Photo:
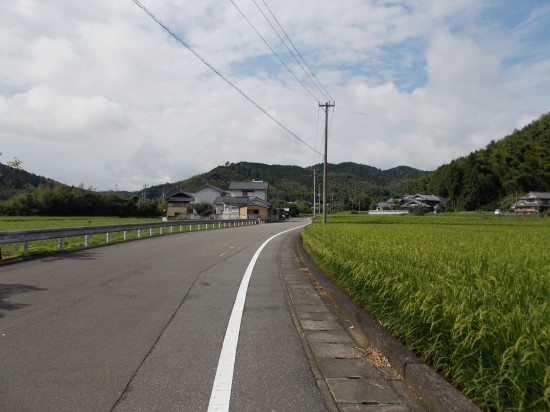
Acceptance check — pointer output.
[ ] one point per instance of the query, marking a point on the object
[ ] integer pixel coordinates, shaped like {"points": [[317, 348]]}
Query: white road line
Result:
{"points": [[221, 391]]}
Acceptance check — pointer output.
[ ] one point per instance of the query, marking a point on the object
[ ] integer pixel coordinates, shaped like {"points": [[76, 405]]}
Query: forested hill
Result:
{"points": [[517, 164], [485, 179], [349, 183], [13, 181]]}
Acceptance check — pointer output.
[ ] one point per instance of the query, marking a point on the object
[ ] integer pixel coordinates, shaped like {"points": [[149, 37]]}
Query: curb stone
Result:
{"points": [[436, 392]]}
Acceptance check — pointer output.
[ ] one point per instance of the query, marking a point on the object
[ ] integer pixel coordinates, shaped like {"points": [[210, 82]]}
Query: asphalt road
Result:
{"points": [[140, 326]]}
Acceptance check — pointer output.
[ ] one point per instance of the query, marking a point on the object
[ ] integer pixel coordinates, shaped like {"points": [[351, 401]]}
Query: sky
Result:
{"points": [[99, 94]]}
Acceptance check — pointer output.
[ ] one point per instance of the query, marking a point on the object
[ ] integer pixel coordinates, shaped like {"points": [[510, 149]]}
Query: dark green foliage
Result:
{"points": [[517, 164], [204, 209], [13, 181], [60, 200], [350, 185], [483, 180]]}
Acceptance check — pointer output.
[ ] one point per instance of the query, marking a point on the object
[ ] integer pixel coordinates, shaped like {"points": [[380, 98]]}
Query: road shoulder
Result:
{"points": [[359, 365]]}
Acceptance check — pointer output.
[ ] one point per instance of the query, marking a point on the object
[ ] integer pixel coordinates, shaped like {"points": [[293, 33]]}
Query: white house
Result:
{"points": [[255, 188]]}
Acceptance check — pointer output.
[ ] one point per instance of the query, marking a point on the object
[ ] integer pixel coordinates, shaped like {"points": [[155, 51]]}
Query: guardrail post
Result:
{"points": [[190, 228], [160, 232], [171, 229], [25, 248], [139, 233], [150, 231], [181, 228], [125, 235], [86, 240], [60, 243], [108, 237]]}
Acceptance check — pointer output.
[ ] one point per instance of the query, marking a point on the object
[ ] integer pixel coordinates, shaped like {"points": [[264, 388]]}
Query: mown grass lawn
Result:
{"points": [[469, 293]]}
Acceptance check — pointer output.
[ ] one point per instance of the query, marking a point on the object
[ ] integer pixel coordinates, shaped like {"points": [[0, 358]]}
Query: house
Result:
{"points": [[419, 200], [230, 207], [208, 194], [409, 201], [532, 203], [179, 204], [242, 200], [389, 204], [255, 188]]}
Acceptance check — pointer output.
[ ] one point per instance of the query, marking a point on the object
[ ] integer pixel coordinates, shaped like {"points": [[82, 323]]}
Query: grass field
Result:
{"points": [[469, 293], [10, 251]]}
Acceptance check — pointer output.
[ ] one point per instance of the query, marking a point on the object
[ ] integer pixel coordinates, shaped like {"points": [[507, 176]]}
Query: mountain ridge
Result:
{"points": [[487, 178]]}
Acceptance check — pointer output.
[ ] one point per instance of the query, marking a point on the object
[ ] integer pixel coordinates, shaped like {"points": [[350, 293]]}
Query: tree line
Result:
{"points": [[486, 179], [60, 200], [495, 176]]}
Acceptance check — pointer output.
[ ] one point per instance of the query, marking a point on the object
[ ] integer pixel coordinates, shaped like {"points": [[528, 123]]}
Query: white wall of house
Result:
{"points": [[260, 194], [206, 195]]}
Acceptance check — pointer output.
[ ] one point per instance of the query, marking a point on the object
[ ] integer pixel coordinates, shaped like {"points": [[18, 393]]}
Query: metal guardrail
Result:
{"points": [[30, 235]]}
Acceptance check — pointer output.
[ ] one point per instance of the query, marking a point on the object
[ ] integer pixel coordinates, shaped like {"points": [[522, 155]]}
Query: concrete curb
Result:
{"points": [[438, 394]]}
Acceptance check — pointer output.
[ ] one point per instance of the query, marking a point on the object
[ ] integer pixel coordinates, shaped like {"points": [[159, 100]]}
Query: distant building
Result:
{"points": [[230, 207], [409, 201], [255, 188], [532, 203], [179, 204], [242, 200], [208, 194]]}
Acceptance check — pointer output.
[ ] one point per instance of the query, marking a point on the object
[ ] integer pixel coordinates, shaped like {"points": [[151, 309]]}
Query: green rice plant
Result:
{"points": [[468, 293]]}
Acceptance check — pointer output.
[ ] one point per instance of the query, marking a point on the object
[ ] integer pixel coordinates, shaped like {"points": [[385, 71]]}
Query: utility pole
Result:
{"points": [[313, 192], [326, 106]]}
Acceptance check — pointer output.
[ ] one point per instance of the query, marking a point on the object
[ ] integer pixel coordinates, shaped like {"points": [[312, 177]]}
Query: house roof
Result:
{"points": [[431, 198], [207, 186], [230, 200], [537, 195], [241, 201], [181, 196], [256, 201], [254, 185]]}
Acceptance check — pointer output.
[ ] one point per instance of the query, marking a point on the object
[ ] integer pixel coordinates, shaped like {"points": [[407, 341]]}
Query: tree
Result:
{"points": [[204, 209]]}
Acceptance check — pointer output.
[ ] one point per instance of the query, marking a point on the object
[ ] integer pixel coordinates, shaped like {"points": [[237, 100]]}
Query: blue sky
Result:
{"points": [[97, 93]]}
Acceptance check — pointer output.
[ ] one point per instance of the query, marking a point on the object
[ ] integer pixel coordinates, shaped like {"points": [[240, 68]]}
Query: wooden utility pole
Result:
{"points": [[314, 192], [326, 106]]}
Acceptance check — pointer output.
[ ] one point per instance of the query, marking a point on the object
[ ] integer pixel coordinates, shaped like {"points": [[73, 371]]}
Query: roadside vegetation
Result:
{"points": [[469, 293]]}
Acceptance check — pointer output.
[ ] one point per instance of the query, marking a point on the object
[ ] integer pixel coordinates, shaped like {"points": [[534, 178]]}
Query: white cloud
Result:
{"points": [[118, 101]]}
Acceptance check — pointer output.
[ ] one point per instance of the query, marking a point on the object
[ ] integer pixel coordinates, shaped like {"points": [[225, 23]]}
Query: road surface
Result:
{"points": [[141, 326]]}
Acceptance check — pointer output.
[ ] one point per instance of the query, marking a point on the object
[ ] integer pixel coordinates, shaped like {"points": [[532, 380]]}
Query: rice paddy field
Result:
{"points": [[469, 293]]}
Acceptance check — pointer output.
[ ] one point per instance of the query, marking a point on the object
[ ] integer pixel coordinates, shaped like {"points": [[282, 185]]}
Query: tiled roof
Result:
{"points": [[254, 185], [230, 200], [207, 186], [256, 201], [181, 196], [241, 201], [538, 195]]}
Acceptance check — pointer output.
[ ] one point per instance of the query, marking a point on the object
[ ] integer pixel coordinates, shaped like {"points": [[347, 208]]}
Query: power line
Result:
{"points": [[274, 52], [175, 36], [288, 48], [298, 52]]}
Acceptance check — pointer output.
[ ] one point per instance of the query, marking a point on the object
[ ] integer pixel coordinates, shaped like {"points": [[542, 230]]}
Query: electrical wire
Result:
{"points": [[274, 52], [175, 36], [297, 51], [288, 48], [316, 131]]}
